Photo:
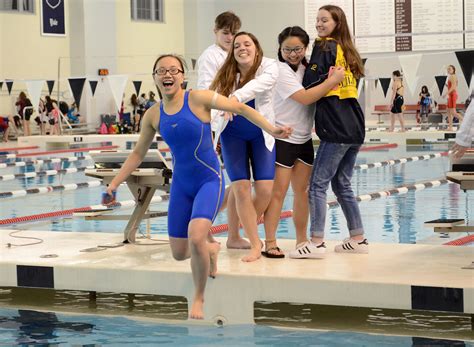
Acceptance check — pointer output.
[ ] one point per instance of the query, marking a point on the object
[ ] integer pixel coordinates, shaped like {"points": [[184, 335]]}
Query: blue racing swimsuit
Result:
{"points": [[198, 186], [243, 142]]}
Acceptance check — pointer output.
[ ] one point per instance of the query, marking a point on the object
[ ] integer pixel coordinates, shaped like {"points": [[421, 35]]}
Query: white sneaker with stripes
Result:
{"points": [[309, 250], [352, 246]]}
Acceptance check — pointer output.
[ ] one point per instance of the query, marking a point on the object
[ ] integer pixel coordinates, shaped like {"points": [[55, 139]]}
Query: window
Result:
{"points": [[18, 5], [147, 10]]}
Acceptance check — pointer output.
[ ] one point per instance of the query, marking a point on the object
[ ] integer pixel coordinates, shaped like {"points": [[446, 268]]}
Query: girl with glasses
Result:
{"points": [[294, 155], [183, 120]]}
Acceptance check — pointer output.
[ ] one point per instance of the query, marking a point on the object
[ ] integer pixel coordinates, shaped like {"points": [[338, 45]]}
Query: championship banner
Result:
{"points": [[53, 18]]}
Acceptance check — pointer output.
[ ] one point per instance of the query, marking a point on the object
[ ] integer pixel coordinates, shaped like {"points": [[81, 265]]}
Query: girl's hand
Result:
{"points": [[458, 151], [110, 191], [282, 132], [336, 74], [228, 116]]}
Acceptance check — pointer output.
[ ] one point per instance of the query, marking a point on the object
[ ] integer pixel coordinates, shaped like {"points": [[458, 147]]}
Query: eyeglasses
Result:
{"points": [[297, 50], [172, 70]]}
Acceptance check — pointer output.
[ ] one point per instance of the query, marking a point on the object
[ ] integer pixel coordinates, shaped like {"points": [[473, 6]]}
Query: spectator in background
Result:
{"points": [[135, 115], [452, 95], [73, 114], [25, 110], [141, 109], [425, 104], [397, 101], [4, 128], [151, 100], [52, 111]]}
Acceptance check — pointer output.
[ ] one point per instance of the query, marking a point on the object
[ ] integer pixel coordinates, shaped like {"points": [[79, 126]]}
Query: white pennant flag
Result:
{"points": [[34, 88], [410, 64], [117, 85]]}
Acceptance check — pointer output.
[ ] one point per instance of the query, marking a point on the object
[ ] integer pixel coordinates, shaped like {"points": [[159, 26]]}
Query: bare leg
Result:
{"points": [[272, 214], [450, 119], [26, 128], [299, 182], [202, 255], [392, 122], [263, 194], [248, 217], [234, 240], [402, 121]]}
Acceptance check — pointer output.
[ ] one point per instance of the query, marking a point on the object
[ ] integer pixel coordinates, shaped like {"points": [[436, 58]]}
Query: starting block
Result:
{"points": [[463, 174], [143, 182]]}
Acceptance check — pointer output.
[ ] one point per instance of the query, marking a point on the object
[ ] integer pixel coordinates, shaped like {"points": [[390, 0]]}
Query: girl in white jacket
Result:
{"points": [[248, 77]]}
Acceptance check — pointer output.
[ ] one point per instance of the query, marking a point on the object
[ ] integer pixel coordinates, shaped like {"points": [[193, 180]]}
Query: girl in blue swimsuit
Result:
{"points": [[182, 118]]}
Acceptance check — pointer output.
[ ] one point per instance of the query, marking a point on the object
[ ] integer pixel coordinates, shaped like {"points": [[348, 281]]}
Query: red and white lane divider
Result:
{"points": [[44, 161], [70, 150], [461, 242], [50, 189], [222, 228], [70, 212], [395, 191], [14, 149], [366, 197], [400, 161], [377, 147], [44, 173]]}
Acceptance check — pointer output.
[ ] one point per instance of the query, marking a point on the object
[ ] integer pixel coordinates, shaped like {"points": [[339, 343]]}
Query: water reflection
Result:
{"points": [[33, 327]]}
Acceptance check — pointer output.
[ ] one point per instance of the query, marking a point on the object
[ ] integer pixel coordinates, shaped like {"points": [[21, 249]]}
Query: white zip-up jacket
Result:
{"points": [[261, 89]]}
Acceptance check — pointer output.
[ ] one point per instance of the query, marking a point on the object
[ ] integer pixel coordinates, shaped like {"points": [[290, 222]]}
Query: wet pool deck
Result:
{"points": [[397, 276]]}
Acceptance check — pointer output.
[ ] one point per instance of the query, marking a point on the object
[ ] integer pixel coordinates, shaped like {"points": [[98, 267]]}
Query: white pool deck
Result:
{"points": [[390, 276]]}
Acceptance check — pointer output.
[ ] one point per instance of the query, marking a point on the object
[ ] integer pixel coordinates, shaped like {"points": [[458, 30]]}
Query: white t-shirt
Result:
{"points": [[289, 112], [208, 64]]}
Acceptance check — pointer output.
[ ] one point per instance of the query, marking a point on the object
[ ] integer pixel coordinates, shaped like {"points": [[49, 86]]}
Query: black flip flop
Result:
{"points": [[271, 255]]}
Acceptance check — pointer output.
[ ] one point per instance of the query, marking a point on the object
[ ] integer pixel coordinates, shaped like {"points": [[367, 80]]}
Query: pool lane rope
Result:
{"points": [[365, 197], [44, 173], [50, 189], [70, 150], [44, 161], [400, 161], [461, 241], [70, 212], [224, 227], [377, 147]]}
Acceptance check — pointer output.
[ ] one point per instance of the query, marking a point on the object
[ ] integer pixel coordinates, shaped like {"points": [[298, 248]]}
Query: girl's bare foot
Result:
{"points": [[197, 311], [239, 243], [254, 254]]}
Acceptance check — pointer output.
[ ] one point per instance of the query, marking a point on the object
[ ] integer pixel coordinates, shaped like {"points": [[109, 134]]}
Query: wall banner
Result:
{"points": [[53, 18]]}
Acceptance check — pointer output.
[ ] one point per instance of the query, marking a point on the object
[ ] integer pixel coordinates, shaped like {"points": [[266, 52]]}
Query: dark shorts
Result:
{"points": [[397, 105], [244, 150], [28, 114], [288, 153]]}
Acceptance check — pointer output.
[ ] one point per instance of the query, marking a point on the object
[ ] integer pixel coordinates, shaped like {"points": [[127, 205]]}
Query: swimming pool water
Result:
{"points": [[398, 218], [27, 327]]}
